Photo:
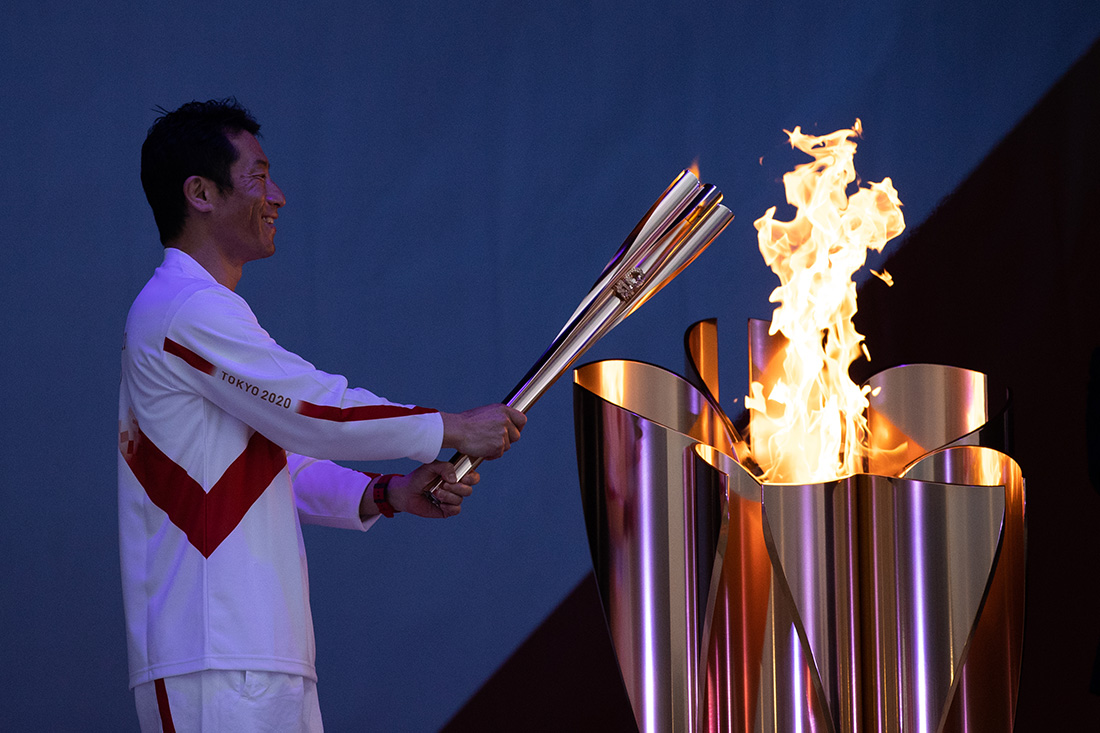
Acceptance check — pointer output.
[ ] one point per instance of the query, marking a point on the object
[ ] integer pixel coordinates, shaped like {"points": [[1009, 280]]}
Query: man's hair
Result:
{"points": [[191, 141]]}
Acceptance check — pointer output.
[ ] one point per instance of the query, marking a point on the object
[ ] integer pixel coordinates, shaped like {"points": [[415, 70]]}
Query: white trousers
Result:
{"points": [[227, 700]]}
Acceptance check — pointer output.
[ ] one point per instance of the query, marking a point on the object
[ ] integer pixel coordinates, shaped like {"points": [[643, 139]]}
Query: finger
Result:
{"points": [[459, 490], [517, 418], [441, 497], [447, 472], [471, 478], [444, 470], [447, 504]]}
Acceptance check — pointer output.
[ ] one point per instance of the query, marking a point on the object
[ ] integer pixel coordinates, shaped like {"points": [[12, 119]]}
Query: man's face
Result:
{"points": [[245, 217]]}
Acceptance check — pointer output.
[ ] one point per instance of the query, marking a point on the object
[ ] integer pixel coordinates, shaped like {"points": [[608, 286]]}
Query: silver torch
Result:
{"points": [[676, 229]]}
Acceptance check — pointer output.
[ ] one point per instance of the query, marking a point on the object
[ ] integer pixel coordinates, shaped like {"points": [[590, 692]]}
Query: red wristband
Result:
{"points": [[381, 498]]}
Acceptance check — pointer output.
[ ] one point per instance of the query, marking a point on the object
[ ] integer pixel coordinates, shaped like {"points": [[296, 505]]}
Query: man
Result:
{"points": [[223, 441]]}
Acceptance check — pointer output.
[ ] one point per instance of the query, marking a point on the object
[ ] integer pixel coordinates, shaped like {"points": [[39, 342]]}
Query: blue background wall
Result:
{"points": [[456, 178]]}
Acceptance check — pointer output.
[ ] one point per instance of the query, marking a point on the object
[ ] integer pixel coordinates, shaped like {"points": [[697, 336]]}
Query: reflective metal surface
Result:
{"points": [[910, 428], [648, 534], [659, 395], [989, 680], [736, 626], [917, 408], [884, 601], [701, 357], [765, 353], [886, 577]]}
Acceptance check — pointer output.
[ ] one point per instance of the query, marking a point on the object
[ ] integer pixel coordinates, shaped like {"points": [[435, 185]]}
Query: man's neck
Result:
{"points": [[211, 258]]}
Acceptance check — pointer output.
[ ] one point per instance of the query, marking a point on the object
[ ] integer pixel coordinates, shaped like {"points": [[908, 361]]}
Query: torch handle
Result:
{"points": [[463, 464]]}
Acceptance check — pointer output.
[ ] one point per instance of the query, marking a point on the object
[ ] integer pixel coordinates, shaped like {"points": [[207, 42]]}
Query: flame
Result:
{"points": [[812, 425], [694, 168]]}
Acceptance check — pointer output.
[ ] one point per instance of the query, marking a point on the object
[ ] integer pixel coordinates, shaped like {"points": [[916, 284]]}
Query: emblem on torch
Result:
{"points": [[628, 286]]}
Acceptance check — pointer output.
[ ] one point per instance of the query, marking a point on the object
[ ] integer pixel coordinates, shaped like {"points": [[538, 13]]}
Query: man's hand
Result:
{"points": [[406, 493], [483, 432]]}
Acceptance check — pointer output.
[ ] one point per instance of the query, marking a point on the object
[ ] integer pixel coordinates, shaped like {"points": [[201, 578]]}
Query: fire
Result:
{"points": [[812, 425]]}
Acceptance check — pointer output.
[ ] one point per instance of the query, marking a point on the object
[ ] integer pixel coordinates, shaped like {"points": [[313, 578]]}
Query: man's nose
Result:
{"points": [[275, 194]]}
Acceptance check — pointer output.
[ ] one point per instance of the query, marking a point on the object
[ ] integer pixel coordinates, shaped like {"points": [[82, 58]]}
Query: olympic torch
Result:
{"points": [[676, 229]]}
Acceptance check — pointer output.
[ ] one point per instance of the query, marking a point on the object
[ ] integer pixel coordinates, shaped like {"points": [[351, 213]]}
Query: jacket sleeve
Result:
{"points": [[328, 494], [224, 355]]}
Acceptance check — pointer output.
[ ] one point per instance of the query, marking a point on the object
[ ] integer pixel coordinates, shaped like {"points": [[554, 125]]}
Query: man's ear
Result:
{"points": [[199, 193]]}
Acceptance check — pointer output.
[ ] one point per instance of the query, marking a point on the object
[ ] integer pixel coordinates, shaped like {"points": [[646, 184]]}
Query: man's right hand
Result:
{"points": [[483, 432]]}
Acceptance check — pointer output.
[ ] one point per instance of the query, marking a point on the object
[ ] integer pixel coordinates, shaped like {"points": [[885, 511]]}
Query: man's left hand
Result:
{"points": [[406, 493]]}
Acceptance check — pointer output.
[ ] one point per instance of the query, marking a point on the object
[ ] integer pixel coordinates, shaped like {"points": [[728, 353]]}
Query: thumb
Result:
{"points": [[445, 471]]}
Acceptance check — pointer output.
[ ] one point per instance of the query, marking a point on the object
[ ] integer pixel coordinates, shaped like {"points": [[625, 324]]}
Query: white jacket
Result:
{"points": [[210, 502]]}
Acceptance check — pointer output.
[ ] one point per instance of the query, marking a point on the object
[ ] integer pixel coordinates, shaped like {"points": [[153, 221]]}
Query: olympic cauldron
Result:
{"points": [[888, 600]]}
